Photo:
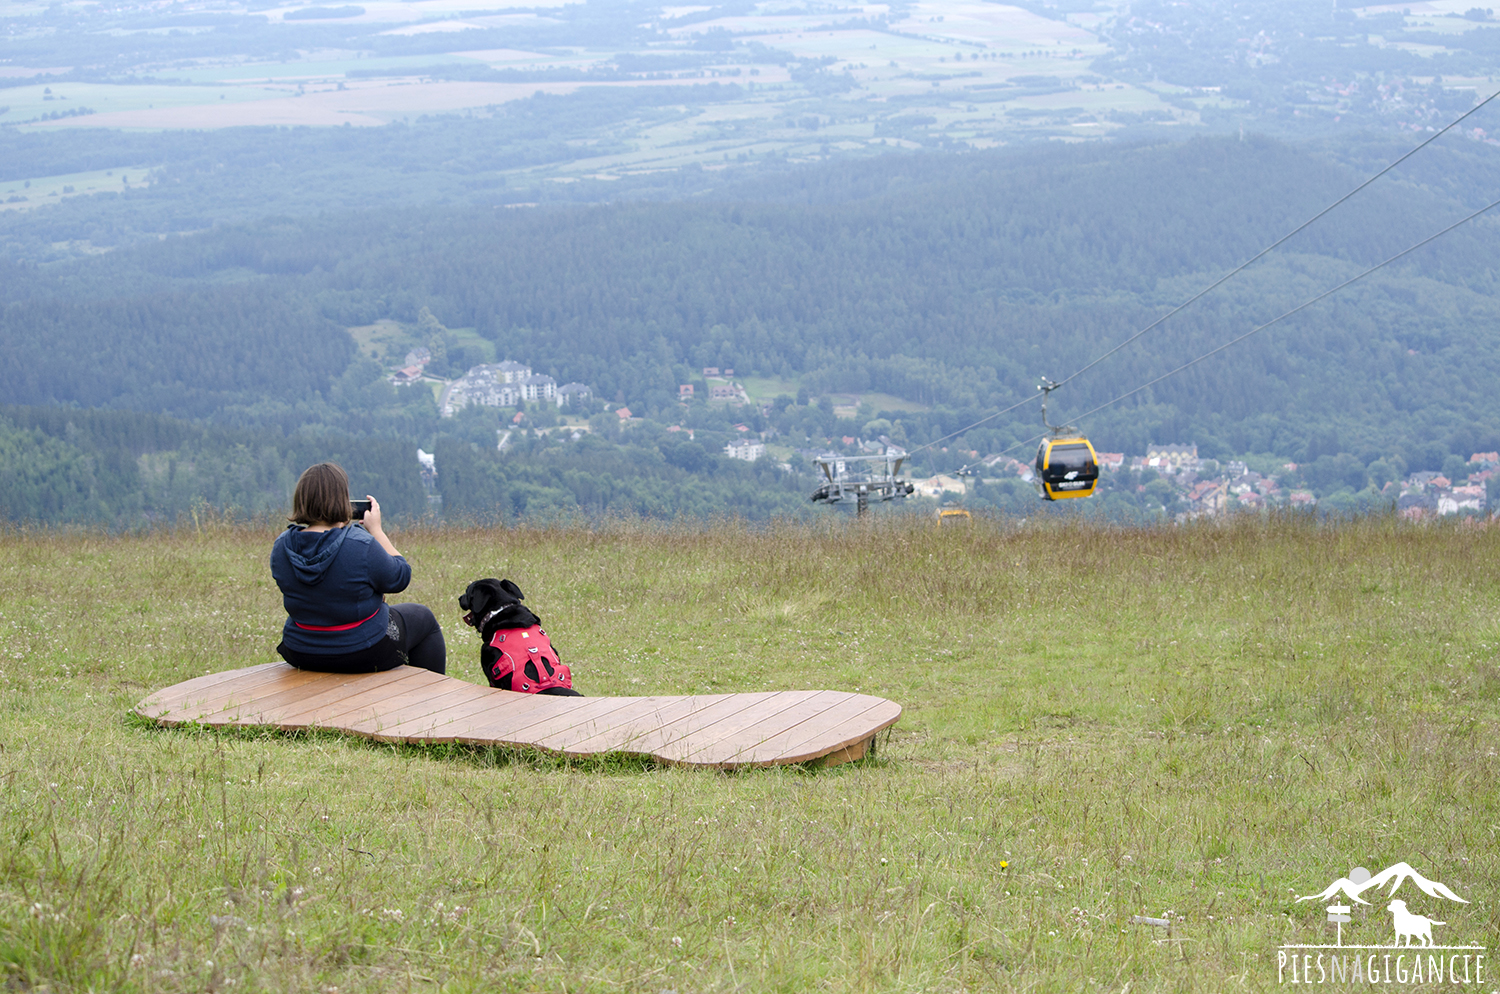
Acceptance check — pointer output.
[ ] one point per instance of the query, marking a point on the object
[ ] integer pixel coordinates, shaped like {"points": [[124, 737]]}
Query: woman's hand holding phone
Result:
{"points": [[372, 525]]}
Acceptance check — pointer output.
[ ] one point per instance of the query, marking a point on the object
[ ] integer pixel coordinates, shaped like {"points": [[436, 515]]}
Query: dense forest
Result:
{"points": [[951, 282]]}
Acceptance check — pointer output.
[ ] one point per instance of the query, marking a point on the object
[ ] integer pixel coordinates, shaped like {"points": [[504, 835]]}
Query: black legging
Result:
{"points": [[413, 637], [420, 637]]}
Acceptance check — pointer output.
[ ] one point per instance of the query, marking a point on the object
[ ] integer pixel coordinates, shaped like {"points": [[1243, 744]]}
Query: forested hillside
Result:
{"points": [[951, 283]]}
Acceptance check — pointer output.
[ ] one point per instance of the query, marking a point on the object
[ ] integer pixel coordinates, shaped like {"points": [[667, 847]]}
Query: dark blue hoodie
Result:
{"points": [[332, 584]]}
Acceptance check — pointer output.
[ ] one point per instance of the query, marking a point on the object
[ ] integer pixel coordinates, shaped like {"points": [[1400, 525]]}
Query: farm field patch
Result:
{"points": [[325, 68], [927, 60], [398, 11], [45, 189], [763, 389], [360, 103], [29, 104], [374, 340]]}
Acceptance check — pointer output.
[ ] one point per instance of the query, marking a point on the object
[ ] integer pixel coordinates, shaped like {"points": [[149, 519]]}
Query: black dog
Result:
{"points": [[517, 655]]}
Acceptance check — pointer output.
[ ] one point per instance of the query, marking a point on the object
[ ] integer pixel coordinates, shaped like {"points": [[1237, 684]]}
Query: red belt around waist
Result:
{"points": [[335, 628]]}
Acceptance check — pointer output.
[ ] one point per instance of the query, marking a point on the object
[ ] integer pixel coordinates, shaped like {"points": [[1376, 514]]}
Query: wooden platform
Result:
{"points": [[414, 705]]}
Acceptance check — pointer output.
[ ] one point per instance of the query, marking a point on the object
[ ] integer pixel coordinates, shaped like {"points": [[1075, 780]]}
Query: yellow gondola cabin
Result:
{"points": [[1066, 466]]}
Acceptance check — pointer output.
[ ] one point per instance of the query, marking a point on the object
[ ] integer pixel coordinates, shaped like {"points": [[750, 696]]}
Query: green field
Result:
{"points": [[763, 389], [29, 103], [376, 341], [1193, 724], [49, 189]]}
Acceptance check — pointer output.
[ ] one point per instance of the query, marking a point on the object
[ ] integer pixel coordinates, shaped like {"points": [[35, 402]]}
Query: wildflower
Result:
{"points": [[677, 942]]}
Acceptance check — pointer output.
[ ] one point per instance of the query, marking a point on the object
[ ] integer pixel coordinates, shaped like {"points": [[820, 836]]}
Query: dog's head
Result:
{"points": [[482, 597]]}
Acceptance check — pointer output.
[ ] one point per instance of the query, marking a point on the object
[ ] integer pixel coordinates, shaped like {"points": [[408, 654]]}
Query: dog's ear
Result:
{"points": [[512, 589]]}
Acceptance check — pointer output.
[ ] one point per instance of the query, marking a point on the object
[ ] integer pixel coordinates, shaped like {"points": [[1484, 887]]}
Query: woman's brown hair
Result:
{"points": [[322, 496]]}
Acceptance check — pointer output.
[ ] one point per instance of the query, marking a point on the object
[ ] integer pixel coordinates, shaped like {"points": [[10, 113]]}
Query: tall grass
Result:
{"points": [[1194, 723]]}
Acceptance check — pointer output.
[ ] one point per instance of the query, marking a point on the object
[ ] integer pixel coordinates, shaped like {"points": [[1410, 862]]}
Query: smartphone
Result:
{"points": [[361, 505]]}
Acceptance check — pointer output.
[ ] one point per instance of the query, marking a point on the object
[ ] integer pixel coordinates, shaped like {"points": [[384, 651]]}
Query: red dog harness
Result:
{"points": [[527, 657]]}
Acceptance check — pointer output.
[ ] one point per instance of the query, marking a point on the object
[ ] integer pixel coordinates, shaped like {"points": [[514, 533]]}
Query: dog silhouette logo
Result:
{"points": [[1410, 926]]}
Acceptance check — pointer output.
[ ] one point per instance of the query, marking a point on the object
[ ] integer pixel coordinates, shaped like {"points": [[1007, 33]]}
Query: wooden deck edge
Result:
{"points": [[232, 702], [833, 756]]}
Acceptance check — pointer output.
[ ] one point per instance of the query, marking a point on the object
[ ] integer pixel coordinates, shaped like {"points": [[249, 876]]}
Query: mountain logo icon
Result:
{"points": [[1361, 880]]}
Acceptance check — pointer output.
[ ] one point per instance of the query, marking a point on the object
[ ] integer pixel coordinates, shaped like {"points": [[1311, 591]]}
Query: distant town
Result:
{"points": [[1188, 486], [1209, 488]]}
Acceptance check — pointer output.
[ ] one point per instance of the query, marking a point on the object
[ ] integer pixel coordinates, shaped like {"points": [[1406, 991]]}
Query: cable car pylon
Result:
{"points": [[1066, 464]]}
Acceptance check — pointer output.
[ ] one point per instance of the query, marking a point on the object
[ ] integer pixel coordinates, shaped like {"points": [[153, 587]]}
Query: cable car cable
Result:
{"points": [[1280, 241], [989, 417], [1233, 272], [1281, 317]]}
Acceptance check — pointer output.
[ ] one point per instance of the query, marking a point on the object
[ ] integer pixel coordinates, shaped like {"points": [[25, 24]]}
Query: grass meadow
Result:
{"points": [[1195, 724]]}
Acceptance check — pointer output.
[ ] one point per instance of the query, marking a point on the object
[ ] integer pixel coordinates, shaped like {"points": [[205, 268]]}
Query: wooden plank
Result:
{"points": [[283, 710], [250, 685], [780, 726], [412, 706], [856, 718], [788, 707], [272, 700], [229, 700], [848, 754], [212, 694], [820, 741], [616, 725], [510, 709], [562, 714], [415, 705], [807, 739], [446, 725], [361, 694], [179, 692], [749, 729], [646, 715], [698, 719]]}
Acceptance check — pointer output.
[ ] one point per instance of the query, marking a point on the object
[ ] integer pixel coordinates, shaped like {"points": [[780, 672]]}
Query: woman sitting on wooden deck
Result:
{"points": [[333, 573]]}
